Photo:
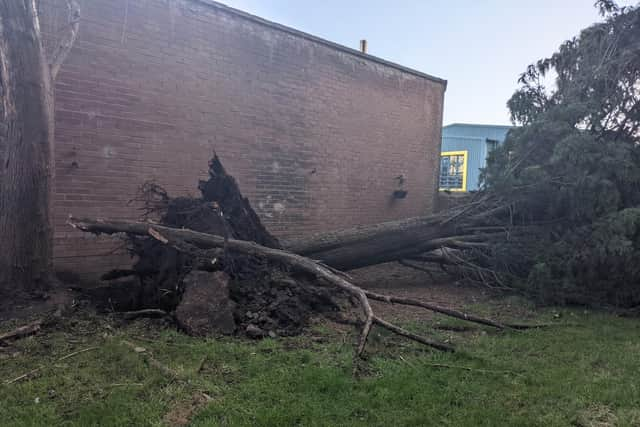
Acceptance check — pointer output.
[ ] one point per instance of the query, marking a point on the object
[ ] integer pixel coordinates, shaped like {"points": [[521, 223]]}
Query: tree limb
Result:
{"points": [[39, 368], [403, 332], [21, 332], [64, 47], [438, 309], [205, 241]]}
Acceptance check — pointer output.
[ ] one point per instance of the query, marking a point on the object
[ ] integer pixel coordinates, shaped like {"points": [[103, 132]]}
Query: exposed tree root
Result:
{"points": [[174, 237]]}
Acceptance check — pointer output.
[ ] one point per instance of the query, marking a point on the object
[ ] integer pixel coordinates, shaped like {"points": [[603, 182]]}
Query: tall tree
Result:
{"points": [[27, 140], [573, 166]]}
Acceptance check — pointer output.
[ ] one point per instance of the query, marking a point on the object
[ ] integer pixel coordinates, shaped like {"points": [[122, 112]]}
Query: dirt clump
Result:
{"points": [[217, 291]]}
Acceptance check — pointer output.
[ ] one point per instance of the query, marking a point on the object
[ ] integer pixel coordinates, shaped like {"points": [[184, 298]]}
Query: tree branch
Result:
{"points": [[170, 236], [64, 47]]}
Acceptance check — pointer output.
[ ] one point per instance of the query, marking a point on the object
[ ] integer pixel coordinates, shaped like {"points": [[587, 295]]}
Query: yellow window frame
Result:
{"points": [[465, 164]]}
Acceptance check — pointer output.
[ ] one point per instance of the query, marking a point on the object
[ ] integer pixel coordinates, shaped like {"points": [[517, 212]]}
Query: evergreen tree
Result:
{"points": [[572, 168]]}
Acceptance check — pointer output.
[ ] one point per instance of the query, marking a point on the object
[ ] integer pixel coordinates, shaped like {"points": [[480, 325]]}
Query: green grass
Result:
{"points": [[583, 372]]}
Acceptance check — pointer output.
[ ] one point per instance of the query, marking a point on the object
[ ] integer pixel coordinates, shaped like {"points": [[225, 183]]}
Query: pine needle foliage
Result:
{"points": [[572, 166]]}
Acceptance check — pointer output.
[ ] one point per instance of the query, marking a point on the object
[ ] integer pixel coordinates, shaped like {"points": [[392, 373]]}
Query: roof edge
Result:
{"points": [[319, 40], [479, 125], [471, 138]]}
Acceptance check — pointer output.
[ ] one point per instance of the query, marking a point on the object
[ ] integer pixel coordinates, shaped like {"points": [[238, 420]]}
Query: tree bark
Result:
{"points": [[464, 227], [175, 237], [375, 244], [180, 239], [26, 136], [27, 165]]}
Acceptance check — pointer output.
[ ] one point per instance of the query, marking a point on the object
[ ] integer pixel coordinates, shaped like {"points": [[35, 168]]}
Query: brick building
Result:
{"points": [[315, 133]]}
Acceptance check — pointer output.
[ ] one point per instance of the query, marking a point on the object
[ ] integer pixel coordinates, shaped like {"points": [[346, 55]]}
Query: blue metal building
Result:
{"points": [[464, 152]]}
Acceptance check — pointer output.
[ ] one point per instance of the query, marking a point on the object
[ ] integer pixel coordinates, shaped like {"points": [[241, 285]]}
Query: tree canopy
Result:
{"points": [[572, 167]]}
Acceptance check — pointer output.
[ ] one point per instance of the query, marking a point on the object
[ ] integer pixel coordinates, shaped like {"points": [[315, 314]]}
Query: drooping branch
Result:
{"points": [[415, 337], [446, 311], [64, 47]]}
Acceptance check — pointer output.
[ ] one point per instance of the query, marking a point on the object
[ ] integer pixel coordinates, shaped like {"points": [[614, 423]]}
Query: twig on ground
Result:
{"points": [[22, 332], [69, 356], [38, 369], [466, 368], [152, 360], [201, 364], [23, 376], [149, 312], [400, 331]]}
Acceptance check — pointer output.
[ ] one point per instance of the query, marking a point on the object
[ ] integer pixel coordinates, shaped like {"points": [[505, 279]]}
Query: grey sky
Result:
{"points": [[479, 46]]}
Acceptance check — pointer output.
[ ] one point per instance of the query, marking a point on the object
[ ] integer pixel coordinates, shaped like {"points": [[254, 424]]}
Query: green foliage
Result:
{"points": [[596, 263], [574, 164]]}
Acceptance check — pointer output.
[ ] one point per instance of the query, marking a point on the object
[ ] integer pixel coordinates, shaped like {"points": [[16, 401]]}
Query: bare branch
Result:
{"points": [[63, 49], [418, 338], [21, 332], [168, 235]]}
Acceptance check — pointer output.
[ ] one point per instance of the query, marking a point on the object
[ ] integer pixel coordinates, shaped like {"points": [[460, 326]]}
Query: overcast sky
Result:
{"points": [[479, 46]]}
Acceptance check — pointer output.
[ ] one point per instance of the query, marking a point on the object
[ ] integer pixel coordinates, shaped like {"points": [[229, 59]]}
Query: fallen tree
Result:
{"points": [[469, 226], [375, 244], [185, 240], [502, 238], [229, 275], [196, 244], [549, 222], [572, 167], [558, 218]]}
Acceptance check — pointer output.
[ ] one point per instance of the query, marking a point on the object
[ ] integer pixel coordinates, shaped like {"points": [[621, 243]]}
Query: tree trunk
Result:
{"points": [[465, 226], [178, 237], [27, 145], [369, 245], [26, 140]]}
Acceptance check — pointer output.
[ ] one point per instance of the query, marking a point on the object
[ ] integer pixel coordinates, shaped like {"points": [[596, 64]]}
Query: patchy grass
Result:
{"points": [[583, 372]]}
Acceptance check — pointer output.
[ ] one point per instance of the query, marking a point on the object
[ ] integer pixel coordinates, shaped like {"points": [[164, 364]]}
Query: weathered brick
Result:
{"points": [[315, 134]]}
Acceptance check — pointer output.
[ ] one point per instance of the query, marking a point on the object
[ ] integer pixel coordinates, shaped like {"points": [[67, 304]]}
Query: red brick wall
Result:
{"points": [[315, 135]]}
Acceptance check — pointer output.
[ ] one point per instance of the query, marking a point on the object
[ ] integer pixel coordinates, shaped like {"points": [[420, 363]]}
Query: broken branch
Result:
{"points": [[38, 369], [436, 308], [448, 311], [22, 331], [152, 360], [294, 261], [65, 45]]}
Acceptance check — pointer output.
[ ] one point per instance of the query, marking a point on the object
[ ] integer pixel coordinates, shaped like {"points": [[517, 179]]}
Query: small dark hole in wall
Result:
{"points": [[400, 194]]}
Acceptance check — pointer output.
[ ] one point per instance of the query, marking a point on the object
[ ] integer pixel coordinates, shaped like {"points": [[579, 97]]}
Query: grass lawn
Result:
{"points": [[583, 372]]}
